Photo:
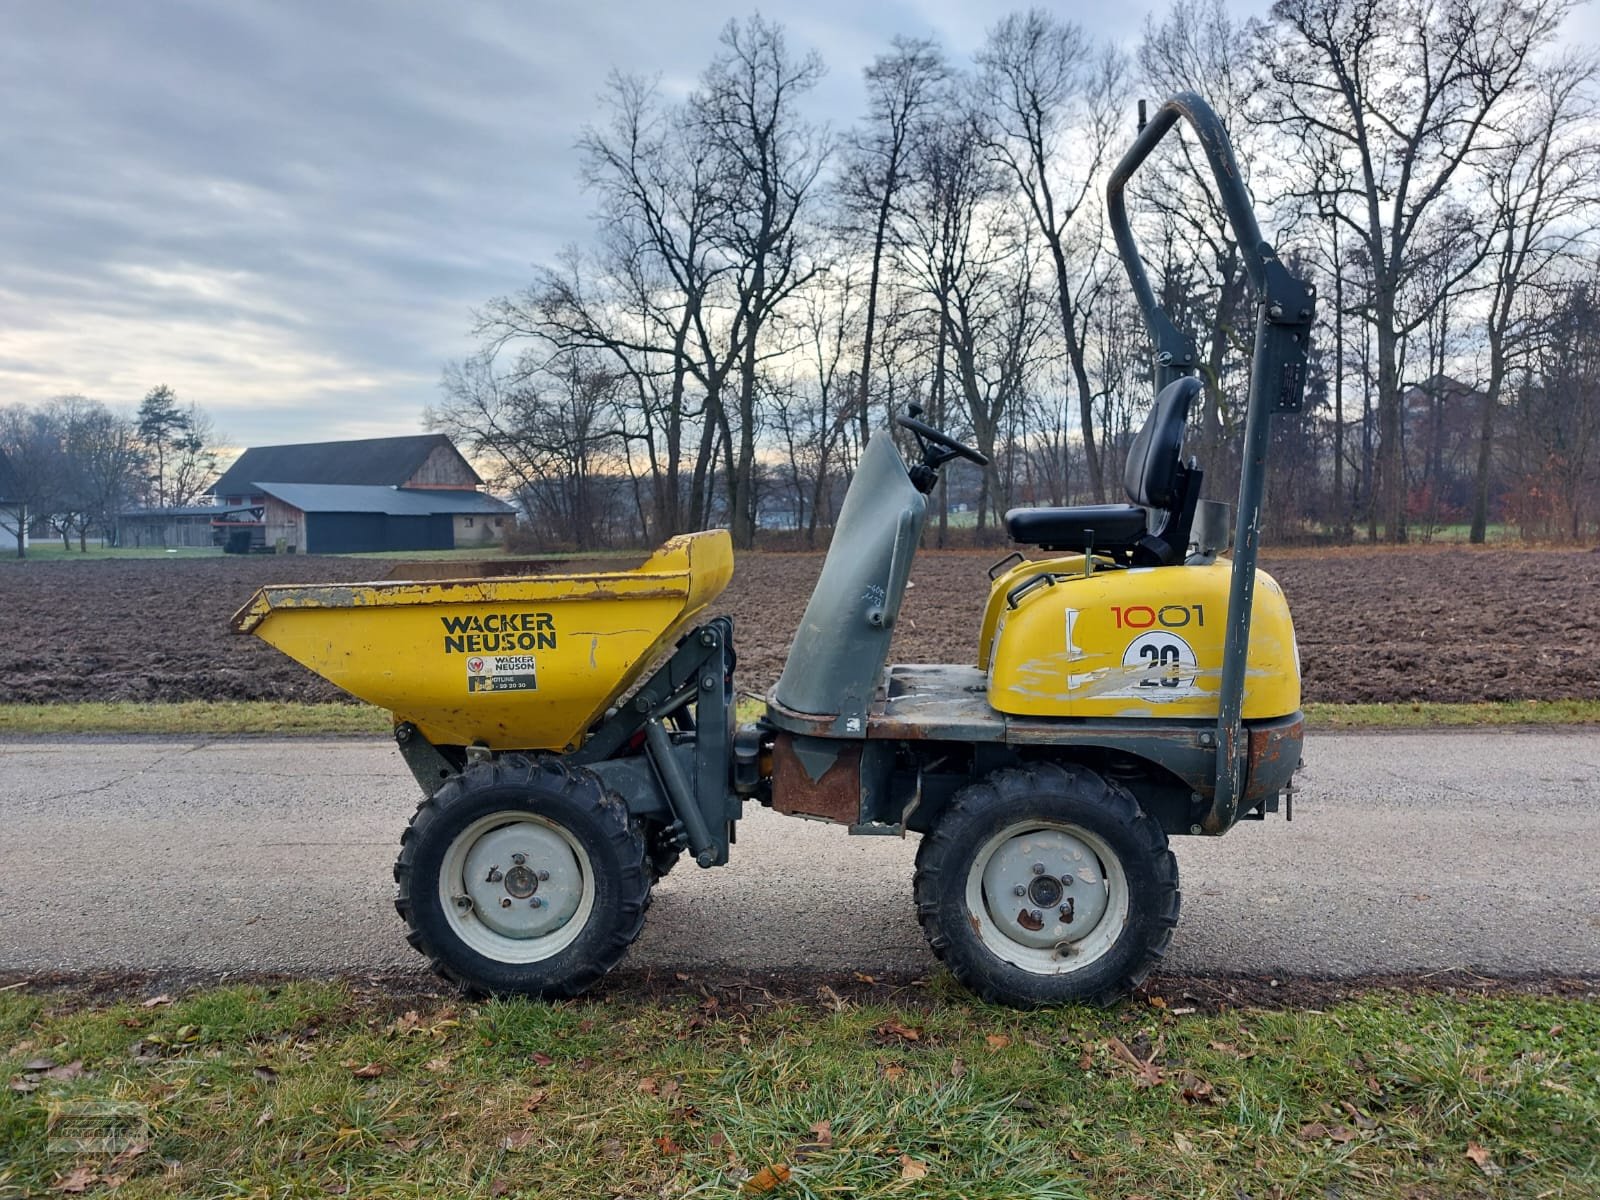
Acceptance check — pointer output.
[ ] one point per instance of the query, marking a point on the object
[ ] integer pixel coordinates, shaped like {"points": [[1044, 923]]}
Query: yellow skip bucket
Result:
{"points": [[522, 662]]}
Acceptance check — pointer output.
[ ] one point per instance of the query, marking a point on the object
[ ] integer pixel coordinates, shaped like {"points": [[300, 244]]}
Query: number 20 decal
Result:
{"points": [[1165, 662]]}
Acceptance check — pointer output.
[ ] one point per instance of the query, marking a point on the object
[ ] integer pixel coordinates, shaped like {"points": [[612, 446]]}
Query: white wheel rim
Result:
{"points": [[1090, 897], [516, 888]]}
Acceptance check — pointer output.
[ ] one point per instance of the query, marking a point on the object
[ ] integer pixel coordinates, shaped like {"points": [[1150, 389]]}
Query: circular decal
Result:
{"points": [[1165, 662], [474, 665]]}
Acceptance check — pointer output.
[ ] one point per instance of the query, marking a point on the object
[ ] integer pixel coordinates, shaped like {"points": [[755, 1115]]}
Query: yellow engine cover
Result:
{"points": [[1141, 642]]}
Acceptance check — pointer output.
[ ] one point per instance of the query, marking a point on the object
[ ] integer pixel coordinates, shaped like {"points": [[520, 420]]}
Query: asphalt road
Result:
{"points": [[1408, 853]]}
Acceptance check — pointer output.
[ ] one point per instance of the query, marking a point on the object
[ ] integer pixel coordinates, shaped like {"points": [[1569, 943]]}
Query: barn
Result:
{"points": [[371, 495]]}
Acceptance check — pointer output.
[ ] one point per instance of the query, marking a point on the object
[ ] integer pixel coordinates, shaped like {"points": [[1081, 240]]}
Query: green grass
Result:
{"points": [[266, 716], [312, 1088], [1423, 715], [193, 717], [43, 551]]}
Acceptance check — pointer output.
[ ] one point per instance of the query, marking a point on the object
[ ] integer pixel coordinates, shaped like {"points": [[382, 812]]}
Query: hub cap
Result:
{"points": [[1049, 898], [516, 887]]}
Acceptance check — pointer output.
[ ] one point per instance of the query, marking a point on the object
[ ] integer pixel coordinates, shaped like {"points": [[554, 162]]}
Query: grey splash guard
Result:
{"points": [[843, 641]]}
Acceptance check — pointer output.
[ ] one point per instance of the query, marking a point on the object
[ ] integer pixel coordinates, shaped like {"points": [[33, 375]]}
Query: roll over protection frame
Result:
{"points": [[1285, 308]]}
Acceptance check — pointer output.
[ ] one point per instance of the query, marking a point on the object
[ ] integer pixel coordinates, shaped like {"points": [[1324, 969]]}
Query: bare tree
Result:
{"points": [[1405, 93], [768, 159], [1047, 96], [935, 238], [1554, 447], [904, 90], [31, 446], [1541, 187], [1198, 46]]}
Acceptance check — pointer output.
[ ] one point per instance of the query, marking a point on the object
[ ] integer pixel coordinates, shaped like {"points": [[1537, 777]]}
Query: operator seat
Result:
{"points": [[1155, 478]]}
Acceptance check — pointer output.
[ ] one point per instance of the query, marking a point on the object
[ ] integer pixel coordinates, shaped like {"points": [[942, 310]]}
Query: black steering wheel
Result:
{"points": [[956, 449]]}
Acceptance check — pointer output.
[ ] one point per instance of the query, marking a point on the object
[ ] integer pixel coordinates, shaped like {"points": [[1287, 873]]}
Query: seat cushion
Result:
{"points": [[1107, 526]]}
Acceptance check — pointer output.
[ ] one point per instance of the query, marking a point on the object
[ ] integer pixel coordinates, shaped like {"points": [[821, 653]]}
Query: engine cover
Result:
{"points": [[1137, 642]]}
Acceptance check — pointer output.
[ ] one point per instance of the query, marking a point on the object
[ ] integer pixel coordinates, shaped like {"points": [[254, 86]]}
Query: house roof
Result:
{"points": [[369, 461], [395, 502], [187, 510]]}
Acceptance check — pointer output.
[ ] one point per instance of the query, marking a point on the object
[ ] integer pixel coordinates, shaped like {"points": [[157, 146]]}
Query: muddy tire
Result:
{"points": [[522, 877], [1047, 885]]}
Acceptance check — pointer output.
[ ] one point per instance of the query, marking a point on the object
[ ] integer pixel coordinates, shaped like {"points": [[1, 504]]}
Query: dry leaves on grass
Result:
{"points": [[997, 1041], [768, 1179], [911, 1168], [821, 1142], [894, 1031], [79, 1179], [1483, 1160], [1335, 1132], [1146, 1073], [518, 1141]]}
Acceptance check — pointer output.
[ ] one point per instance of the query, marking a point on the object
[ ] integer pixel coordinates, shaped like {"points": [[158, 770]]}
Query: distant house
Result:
{"points": [[13, 512], [377, 494]]}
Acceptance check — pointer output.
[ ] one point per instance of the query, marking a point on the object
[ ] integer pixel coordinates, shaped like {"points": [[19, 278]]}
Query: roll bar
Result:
{"points": [[1285, 308]]}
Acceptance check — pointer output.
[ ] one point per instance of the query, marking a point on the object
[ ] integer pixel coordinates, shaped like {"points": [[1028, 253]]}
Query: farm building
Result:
{"points": [[194, 525], [377, 494]]}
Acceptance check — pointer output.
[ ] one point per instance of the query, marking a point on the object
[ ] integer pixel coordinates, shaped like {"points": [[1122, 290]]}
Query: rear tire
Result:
{"points": [[522, 877], [1047, 885]]}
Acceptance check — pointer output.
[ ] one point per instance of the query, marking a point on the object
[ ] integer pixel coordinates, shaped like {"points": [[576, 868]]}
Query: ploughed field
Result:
{"points": [[1437, 624]]}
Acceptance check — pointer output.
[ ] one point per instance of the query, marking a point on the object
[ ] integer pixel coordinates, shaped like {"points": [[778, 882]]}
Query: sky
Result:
{"points": [[288, 211]]}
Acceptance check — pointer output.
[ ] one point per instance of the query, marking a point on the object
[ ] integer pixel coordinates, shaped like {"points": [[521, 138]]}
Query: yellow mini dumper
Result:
{"points": [[1127, 686]]}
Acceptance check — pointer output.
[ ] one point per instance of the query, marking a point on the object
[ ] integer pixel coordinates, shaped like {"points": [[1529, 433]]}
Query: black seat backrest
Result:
{"points": [[1154, 470]]}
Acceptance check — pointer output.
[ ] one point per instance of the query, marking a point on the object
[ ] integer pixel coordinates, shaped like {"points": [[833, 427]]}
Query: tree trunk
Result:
{"points": [[1391, 418], [1091, 451], [1491, 402], [864, 417]]}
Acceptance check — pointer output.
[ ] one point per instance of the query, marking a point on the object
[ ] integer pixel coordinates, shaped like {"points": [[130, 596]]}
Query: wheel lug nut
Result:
{"points": [[519, 859], [1038, 868], [536, 903], [505, 902], [543, 876], [1066, 881], [1019, 890]]}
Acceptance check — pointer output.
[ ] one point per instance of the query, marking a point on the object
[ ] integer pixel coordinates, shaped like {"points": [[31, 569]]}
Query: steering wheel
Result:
{"points": [[939, 438]]}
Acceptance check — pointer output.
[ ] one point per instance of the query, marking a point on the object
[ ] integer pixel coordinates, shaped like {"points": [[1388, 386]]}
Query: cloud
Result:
{"points": [[288, 211]]}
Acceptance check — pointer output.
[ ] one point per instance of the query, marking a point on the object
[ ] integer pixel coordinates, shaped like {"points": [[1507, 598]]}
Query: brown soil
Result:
{"points": [[728, 993], [1444, 625]]}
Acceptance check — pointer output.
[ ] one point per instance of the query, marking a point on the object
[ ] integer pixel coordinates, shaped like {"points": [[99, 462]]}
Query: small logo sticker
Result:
{"points": [[503, 673]]}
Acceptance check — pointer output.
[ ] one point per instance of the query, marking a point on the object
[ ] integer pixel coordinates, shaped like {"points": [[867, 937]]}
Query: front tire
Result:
{"points": [[1047, 885], [522, 877]]}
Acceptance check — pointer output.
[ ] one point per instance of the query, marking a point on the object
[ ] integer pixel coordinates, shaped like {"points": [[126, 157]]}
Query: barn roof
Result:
{"points": [[369, 461], [395, 502]]}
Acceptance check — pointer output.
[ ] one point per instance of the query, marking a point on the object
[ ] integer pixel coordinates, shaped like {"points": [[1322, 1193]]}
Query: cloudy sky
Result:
{"points": [[287, 211]]}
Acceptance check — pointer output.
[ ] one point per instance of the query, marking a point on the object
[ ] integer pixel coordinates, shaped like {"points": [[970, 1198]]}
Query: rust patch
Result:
{"points": [[1029, 919], [834, 797], [1272, 756]]}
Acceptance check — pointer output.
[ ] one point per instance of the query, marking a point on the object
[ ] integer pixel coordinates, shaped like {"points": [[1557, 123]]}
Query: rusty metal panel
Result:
{"points": [[1274, 754], [833, 795]]}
